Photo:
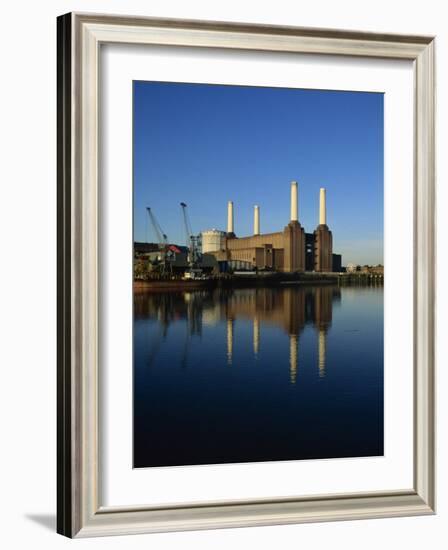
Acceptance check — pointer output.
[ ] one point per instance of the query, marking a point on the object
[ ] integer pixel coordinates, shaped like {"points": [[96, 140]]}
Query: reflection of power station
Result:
{"points": [[289, 250], [256, 337], [230, 325], [322, 349], [293, 357], [292, 309]]}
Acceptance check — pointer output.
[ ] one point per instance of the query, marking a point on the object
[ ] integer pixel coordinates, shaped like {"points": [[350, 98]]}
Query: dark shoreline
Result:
{"points": [[265, 280]]}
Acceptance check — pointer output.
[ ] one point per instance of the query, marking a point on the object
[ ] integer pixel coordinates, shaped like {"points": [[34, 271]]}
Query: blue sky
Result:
{"points": [[208, 144]]}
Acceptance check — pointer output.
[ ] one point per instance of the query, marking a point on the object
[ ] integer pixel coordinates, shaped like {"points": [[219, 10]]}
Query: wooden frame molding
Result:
{"points": [[80, 513]]}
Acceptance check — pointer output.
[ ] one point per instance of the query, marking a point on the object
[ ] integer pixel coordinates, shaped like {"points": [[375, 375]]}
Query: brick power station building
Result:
{"points": [[289, 250]]}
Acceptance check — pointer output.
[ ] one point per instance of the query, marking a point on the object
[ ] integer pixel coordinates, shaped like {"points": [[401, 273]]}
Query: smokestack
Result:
{"points": [[230, 217], [256, 220], [294, 207], [322, 208]]}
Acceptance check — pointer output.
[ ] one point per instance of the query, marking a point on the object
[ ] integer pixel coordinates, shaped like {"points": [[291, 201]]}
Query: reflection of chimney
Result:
{"points": [[322, 352], [294, 207], [230, 217], [256, 220], [293, 344], [256, 341], [229, 341], [322, 208]]}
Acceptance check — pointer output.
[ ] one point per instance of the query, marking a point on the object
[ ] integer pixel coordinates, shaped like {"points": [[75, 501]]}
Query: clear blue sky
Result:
{"points": [[208, 144]]}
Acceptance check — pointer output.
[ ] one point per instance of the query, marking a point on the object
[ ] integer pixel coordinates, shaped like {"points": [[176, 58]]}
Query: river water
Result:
{"points": [[257, 374]]}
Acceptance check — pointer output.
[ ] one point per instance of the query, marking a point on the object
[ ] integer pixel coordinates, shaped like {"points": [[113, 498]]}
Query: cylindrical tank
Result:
{"points": [[212, 240]]}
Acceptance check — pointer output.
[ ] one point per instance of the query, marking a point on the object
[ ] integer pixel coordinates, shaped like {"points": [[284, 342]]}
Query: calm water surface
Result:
{"points": [[245, 375]]}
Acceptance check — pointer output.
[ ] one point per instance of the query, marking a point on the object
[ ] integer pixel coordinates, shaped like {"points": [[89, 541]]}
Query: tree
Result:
{"points": [[142, 269]]}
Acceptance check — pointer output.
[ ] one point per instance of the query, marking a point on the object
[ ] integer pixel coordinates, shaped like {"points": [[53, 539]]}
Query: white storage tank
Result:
{"points": [[213, 240]]}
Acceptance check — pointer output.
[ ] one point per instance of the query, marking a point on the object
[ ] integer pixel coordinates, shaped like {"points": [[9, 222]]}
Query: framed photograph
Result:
{"points": [[246, 263]]}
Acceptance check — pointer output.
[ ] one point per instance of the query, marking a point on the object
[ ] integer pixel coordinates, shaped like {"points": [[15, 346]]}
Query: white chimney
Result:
{"points": [[322, 208], [230, 217], [256, 220], [294, 207]]}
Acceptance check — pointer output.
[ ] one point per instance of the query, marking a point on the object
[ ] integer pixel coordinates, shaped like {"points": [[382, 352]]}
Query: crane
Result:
{"points": [[162, 239], [192, 243], [162, 242]]}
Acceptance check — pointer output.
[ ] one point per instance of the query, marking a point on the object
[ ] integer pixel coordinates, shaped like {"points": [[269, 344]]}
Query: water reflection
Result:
{"points": [[289, 308], [255, 374], [322, 344], [256, 336], [293, 357], [230, 324]]}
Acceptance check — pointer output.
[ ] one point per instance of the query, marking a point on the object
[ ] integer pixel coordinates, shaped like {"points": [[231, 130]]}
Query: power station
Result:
{"points": [[290, 250]]}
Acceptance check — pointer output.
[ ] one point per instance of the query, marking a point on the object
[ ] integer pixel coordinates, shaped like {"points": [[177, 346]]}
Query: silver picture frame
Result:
{"points": [[80, 513]]}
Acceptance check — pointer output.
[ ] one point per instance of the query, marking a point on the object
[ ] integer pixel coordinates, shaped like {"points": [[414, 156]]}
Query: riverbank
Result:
{"points": [[174, 284], [262, 279]]}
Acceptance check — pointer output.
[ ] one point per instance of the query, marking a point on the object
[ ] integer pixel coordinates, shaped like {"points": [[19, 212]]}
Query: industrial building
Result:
{"points": [[289, 250]]}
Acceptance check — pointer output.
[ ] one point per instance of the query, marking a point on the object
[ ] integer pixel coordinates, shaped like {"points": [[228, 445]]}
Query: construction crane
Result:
{"points": [[162, 239], [162, 242], [192, 244]]}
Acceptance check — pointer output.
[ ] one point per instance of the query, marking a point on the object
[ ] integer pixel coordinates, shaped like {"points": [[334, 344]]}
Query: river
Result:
{"points": [[257, 374]]}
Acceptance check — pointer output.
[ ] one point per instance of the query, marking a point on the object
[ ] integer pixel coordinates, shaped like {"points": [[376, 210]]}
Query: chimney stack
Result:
{"points": [[256, 220], [294, 207], [230, 217], [322, 208]]}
